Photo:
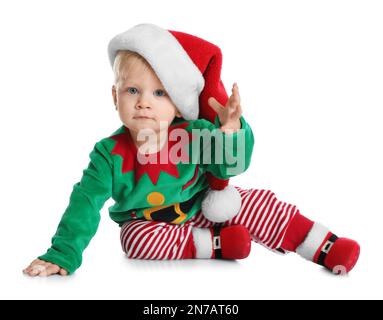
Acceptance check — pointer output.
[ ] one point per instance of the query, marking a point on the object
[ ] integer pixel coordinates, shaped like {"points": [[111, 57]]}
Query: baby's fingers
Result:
{"points": [[217, 107], [237, 111], [28, 269], [63, 272], [35, 269], [235, 99], [49, 270], [44, 269]]}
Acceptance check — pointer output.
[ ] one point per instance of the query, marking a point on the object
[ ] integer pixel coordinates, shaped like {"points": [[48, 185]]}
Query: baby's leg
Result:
{"points": [[266, 217], [279, 226], [141, 239]]}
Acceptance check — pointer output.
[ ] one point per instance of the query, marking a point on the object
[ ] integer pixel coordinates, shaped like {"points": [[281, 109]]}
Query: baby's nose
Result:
{"points": [[143, 105]]}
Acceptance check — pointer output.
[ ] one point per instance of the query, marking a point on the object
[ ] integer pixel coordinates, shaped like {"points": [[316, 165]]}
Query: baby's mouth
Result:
{"points": [[143, 118]]}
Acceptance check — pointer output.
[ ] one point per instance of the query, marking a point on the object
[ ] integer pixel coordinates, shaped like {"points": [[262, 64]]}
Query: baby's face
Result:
{"points": [[142, 102]]}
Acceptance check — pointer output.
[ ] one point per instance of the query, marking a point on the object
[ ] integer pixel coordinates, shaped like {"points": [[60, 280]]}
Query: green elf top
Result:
{"points": [[174, 190]]}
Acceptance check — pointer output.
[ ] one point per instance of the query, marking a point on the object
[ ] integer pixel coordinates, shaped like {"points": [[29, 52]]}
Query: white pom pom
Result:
{"points": [[221, 205]]}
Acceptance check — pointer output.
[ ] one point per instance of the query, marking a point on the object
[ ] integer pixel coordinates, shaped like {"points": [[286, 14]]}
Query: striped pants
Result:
{"points": [[261, 213]]}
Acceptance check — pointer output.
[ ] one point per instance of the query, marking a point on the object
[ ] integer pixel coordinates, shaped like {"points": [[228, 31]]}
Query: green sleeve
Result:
{"points": [[230, 153], [81, 218]]}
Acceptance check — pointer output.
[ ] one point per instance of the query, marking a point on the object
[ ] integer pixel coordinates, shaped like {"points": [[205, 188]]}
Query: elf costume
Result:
{"points": [[185, 208]]}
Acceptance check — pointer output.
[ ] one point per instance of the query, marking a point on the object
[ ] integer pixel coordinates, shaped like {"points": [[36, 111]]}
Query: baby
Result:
{"points": [[171, 202]]}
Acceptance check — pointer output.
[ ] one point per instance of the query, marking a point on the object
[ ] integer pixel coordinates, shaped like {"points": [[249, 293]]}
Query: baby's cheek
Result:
{"points": [[125, 115]]}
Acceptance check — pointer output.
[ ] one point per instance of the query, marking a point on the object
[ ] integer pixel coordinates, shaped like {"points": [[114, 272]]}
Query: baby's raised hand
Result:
{"points": [[229, 115], [42, 268]]}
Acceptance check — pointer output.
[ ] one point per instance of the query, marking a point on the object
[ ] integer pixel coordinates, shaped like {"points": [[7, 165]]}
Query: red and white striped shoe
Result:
{"points": [[231, 242], [323, 247]]}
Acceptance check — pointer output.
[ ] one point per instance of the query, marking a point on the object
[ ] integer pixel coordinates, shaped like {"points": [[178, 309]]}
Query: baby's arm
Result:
{"points": [[42, 268], [236, 145], [80, 220]]}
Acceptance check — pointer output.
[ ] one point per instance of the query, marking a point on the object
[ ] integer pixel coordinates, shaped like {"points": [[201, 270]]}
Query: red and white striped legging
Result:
{"points": [[261, 213]]}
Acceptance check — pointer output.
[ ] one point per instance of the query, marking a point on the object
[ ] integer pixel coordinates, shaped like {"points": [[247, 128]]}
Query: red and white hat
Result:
{"points": [[188, 67], [190, 70]]}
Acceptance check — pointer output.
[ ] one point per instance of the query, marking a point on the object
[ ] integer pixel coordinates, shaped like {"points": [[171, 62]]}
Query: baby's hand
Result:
{"points": [[42, 268], [230, 114]]}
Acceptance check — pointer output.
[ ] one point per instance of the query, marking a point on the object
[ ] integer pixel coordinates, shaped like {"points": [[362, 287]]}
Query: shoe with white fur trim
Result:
{"points": [[231, 242], [337, 254], [321, 246]]}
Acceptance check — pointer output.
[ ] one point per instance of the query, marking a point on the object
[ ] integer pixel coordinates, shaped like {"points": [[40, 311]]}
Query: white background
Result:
{"points": [[310, 75]]}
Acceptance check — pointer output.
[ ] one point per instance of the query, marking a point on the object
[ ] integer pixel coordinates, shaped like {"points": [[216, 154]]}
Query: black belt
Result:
{"points": [[217, 241], [326, 248]]}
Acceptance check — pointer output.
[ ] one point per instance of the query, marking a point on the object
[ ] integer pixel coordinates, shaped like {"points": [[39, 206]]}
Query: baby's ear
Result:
{"points": [[178, 114], [114, 94]]}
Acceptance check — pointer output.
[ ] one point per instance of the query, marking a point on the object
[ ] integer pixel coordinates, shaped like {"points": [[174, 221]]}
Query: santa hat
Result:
{"points": [[190, 70]]}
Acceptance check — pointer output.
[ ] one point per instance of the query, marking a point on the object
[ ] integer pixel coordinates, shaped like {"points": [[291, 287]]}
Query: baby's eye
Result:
{"points": [[160, 93], [132, 90]]}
